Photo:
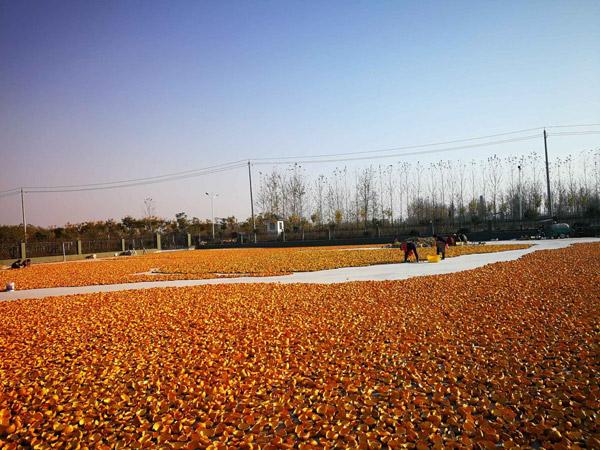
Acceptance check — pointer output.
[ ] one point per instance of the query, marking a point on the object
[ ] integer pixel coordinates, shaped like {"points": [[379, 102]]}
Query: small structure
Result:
{"points": [[275, 227]]}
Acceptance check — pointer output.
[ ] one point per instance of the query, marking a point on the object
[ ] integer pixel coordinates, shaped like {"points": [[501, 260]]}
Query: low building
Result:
{"points": [[275, 227]]}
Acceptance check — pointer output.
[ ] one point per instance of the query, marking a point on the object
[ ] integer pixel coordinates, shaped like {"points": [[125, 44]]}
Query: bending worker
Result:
{"points": [[409, 248]]}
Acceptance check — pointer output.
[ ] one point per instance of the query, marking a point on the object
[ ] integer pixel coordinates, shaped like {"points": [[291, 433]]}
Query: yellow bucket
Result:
{"points": [[434, 258]]}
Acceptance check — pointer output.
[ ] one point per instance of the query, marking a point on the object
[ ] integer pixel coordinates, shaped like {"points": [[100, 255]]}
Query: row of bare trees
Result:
{"points": [[450, 191]]}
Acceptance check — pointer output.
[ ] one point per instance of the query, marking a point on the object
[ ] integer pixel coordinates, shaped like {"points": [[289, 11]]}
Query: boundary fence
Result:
{"points": [[35, 249], [321, 235]]}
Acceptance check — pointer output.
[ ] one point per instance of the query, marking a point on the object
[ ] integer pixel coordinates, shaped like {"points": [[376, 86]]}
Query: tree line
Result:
{"points": [[127, 227], [447, 191]]}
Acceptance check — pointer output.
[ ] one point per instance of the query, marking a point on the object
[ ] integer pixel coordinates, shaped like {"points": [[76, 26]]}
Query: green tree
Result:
{"points": [[182, 221]]}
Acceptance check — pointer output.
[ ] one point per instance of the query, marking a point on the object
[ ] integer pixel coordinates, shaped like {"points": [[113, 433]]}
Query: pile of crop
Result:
{"points": [[505, 355], [215, 263]]}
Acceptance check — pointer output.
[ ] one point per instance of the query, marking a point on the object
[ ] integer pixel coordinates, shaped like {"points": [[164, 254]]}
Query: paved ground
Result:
{"points": [[378, 272]]}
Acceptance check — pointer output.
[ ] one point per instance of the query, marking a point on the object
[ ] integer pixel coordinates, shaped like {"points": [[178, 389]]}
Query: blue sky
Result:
{"points": [[101, 91]]}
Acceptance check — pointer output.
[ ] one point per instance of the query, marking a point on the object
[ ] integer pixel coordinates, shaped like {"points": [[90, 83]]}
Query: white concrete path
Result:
{"points": [[379, 272]]}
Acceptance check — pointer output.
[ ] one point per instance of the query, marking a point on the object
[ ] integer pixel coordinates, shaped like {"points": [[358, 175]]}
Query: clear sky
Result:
{"points": [[94, 91]]}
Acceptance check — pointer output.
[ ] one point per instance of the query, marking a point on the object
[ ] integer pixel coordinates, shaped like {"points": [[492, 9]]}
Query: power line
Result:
{"points": [[157, 177], [574, 126], [137, 183], [433, 144], [404, 147], [332, 157], [10, 191], [423, 152], [574, 133]]}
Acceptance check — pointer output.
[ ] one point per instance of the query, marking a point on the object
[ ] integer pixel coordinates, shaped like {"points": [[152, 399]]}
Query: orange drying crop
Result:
{"points": [[501, 356], [215, 263]]}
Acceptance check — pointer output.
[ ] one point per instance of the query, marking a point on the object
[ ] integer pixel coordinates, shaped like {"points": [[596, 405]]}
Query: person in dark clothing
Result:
{"points": [[409, 247], [440, 245]]}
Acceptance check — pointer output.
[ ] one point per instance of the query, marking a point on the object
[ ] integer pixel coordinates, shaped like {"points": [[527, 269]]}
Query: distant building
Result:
{"points": [[275, 227]]}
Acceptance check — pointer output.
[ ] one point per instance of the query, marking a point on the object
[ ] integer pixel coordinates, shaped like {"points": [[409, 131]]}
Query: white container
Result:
{"points": [[10, 286]]}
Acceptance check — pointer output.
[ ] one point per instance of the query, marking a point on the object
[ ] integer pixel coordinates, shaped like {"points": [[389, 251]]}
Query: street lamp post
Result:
{"points": [[212, 211]]}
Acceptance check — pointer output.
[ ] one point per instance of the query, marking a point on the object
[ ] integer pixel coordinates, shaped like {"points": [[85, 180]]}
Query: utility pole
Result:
{"points": [[252, 201], [23, 213], [390, 167], [381, 195], [548, 174], [520, 199]]}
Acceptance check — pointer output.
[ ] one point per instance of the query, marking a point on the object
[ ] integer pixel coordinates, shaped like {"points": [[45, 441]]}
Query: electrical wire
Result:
{"points": [[124, 185], [433, 144], [404, 147], [157, 177], [323, 158], [575, 126], [10, 191], [9, 194], [424, 152], [574, 133]]}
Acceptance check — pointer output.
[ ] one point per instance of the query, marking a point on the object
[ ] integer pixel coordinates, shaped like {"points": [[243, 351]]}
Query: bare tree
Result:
{"points": [[419, 169], [436, 191], [339, 193], [149, 208], [461, 169], [390, 191], [432, 189], [451, 185], [596, 156], [319, 189], [346, 195], [270, 193], [495, 178], [367, 195], [535, 192], [403, 188], [441, 180], [296, 190], [473, 178]]}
